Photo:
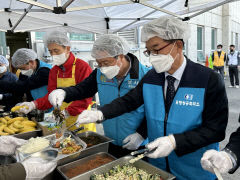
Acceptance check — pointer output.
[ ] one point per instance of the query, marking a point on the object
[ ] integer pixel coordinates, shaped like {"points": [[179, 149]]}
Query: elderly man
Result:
{"points": [[31, 168], [6, 99], [33, 77], [67, 71], [185, 103], [119, 71]]}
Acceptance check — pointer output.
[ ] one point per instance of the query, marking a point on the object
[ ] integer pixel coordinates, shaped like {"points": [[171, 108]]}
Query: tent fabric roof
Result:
{"points": [[121, 17]]}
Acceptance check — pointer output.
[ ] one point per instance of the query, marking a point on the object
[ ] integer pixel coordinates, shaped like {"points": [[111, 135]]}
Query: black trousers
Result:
{"points": [[233, 74], [219, 69]]}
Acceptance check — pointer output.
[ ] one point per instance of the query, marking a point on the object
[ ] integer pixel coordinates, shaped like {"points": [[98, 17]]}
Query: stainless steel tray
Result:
{"points": [[61, 158], [101, 147], [125, 160], [5, 160], [62, 169], [28, 135]]}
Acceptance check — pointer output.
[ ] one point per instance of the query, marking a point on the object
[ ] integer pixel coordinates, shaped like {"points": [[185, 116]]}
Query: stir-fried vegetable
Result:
{"points": [[126, 172]]}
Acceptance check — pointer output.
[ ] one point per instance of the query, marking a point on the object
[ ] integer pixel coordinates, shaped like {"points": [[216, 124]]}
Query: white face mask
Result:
{"points": [[59, 59], [162, 62], [110, 71], [28, 72], [3, 69], [219, 50]]}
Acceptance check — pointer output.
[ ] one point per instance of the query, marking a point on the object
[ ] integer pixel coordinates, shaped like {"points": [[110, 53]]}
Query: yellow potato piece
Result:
{"points": [[14, 129], [28, 130], [18, 125], [17, 108], [3, 133], [29, 123], [8, 130], [7, 118], [2, 127], [4, 121], [15, 119]]}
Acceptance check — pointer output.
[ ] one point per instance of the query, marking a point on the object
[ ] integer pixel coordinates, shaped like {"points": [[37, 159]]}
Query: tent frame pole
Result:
{"points": [[142, 18], [159, 9], [68, 3], [99, 6], [24, 10], [21, 18], [59, 3], [208, 9], [31, 2]]}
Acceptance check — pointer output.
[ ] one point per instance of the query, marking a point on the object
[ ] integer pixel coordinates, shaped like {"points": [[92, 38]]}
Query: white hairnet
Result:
{"points": [[23, 56], [57, 37], [109, 45], [167, 28], [3, 60]]}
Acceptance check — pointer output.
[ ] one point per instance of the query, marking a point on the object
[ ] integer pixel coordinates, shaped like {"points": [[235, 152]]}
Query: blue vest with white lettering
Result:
{"points": [[42, 91], [184, 115], [120, 127]]}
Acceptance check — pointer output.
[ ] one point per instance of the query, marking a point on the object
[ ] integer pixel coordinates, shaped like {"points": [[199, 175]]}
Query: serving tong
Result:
{"points": [[141, 154]]}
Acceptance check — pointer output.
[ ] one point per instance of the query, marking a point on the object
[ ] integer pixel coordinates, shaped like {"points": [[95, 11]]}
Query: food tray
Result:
{"points": [[30, 134], [5, 160], [61, 158], [63, 169], [122, 161], [101, 147]]}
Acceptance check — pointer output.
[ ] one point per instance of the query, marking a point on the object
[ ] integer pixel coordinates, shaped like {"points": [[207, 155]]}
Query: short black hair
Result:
{"points": [[174, 40], [219, 46], [232, 45]]}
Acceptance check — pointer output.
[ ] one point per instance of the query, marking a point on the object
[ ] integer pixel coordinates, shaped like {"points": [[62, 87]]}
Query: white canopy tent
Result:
{"points": [[97, 16]]}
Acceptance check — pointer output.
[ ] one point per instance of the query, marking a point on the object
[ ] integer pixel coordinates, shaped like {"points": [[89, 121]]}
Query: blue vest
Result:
{"points": [[184, 115], [120, 127], [42, 91]]}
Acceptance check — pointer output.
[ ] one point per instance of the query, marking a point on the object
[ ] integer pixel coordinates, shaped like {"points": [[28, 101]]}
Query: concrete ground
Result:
{"points": [[233, 124]]}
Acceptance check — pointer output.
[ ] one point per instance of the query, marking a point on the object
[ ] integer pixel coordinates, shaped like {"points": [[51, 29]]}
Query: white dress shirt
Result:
{"points": [[177, 74]]}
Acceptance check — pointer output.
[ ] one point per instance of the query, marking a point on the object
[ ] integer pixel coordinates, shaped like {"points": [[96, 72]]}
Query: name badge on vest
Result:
{"points": [[187, 101], [132, 83], [104, 79]]}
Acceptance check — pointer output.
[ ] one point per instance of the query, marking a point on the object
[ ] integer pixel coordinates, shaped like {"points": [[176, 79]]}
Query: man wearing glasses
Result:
{"points": [[119, 71], [185, 103]]}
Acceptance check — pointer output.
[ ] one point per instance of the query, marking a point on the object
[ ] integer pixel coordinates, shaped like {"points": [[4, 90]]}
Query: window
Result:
{"points": [[82, 37], [200, 44], [236, 41], [39, 35], [214, 39]]}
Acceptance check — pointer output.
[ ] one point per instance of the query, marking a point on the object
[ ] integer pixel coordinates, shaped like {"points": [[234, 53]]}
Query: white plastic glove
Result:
{"points": [[37, 168], [31, 106], [9, 144], [1, 96], [56, 97], [165, 145], [133, 141], [219, 160], [89, 116]]}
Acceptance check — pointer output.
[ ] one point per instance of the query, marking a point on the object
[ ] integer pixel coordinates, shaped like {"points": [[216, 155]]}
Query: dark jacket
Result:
{"points": [[214, 115], [26, 84], [8, 99], [14, 171], [234, 146]]}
